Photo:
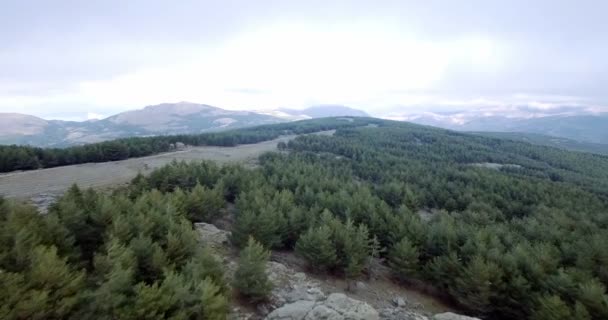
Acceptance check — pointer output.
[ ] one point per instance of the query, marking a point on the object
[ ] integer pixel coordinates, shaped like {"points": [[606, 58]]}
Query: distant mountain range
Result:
{"points": [[319, 111], [579, 132], [591, 128], [544, 140], [162, 119]]}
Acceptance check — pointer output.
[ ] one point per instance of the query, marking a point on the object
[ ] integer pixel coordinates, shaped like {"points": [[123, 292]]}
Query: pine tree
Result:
{"points": [[404, 259], [250, 278], [551, 308], [317, 248], [116, 270], [203, 204], [580, 312], [54, 289], [592, 294], [214, 303], [244, 227], [477, 284], [356, 248]]}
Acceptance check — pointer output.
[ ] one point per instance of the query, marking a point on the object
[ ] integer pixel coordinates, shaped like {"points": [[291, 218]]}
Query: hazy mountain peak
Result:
{"points": [[179, 108], [165, 118], [21, 124], [322, 111]]}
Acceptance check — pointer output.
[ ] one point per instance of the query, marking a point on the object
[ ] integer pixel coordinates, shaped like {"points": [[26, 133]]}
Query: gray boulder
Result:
{"points": [[336, 307], [211, 235], [452, 316]]}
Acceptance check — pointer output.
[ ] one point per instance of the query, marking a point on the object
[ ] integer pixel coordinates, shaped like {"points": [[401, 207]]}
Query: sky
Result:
{"points": [[88, 59]]}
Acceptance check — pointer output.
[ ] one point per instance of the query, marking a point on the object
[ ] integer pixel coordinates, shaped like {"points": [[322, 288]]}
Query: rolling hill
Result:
{"points": [[591, 128], [161, 119], [544, 140]]}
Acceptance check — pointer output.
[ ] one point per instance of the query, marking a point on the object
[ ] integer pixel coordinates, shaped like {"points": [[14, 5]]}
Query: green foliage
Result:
{"points": [[250, 278], [105, 257], [404, 260], [47, 289], [203, 204], [552, 308], [506, 229], [317, 248], [592, 295], [15, 157], [477, 285]]}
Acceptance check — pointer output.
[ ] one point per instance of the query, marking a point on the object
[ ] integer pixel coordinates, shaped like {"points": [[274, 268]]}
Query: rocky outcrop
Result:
{"points": [[452, 316], [336, 307], [295, 296], [211, 235]]}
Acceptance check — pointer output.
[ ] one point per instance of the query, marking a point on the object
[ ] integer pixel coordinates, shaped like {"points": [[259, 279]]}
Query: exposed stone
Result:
{"points": [[336, 307], [452, 316], [360, 286], [211, 235], [350, 308], [237, 314], [303, 292], [400, 314], [399, 302], [293, 311]]}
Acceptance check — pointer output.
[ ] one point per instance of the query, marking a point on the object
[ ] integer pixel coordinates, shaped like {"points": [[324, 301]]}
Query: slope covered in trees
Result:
{"points": [[507, 230], [16, 157]]}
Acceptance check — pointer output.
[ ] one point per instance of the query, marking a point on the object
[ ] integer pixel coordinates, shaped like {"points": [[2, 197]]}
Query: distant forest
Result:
{"points": [[522, 238], [16, 157]]}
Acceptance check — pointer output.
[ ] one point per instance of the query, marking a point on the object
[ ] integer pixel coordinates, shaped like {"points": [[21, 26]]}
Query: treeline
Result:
{"points": [[15, 157]]}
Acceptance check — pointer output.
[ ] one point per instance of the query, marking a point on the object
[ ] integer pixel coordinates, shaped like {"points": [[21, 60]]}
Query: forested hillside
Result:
{"points": [[544, 140], [504, 229], [15, 157]]}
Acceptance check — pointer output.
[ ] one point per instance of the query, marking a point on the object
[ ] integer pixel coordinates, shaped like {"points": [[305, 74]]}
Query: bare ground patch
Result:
{"points": [[28, 184], [54, 181]]}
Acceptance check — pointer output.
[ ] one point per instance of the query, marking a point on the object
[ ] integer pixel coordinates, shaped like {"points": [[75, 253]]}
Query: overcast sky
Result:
{"points": [[69, 59]]}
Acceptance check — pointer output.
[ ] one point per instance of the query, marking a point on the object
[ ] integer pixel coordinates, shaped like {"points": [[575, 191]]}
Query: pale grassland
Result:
{"points": [[56, 180]]}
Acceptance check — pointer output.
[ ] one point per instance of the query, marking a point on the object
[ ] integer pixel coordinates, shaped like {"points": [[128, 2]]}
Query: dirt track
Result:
{"points": [[56, 180]]}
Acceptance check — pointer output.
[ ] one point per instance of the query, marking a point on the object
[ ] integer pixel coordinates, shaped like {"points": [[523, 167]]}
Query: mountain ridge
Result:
{"points": [[160, 119], [584, 127]]}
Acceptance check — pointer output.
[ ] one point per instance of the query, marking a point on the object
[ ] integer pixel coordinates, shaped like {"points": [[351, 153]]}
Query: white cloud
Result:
{"points": [[290, 65], [94, 116]]}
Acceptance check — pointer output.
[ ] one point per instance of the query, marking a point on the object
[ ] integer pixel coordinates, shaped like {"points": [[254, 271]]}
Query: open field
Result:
{"points": [[28, 184]]}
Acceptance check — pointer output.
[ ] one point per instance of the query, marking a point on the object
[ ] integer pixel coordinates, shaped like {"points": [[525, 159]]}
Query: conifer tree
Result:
{"points": [[477, 284], [580, 312], [53, 288], [214, 303], [244, 227], [317, 248], [356, 250], [250, 279], [592, 294], [203, 204], [404, 259], [551, 308]]}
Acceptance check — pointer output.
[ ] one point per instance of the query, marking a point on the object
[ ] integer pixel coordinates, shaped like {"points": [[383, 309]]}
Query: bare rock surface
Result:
{"points": [[452, 316], [336, 307], [211, 235], [298, 296]]}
